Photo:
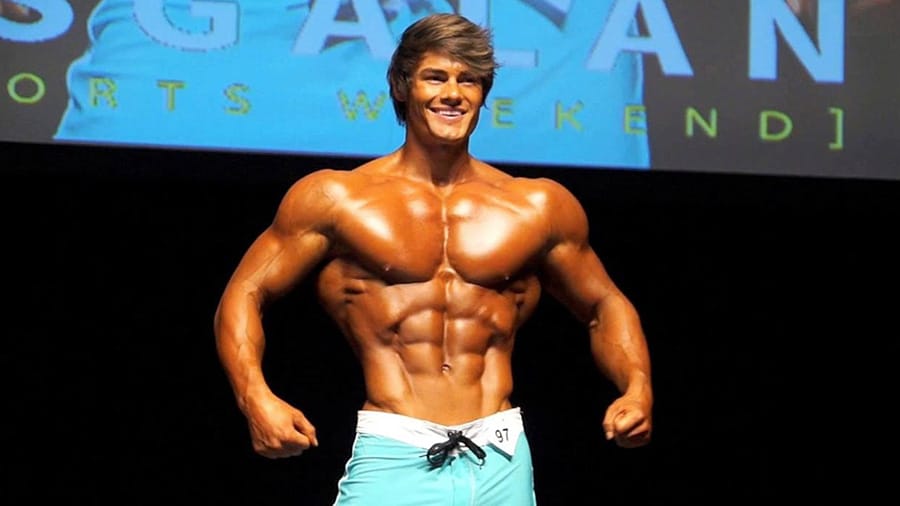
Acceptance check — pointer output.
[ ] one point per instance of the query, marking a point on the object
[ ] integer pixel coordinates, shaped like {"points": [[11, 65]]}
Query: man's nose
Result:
{"points": [[451, 91]]}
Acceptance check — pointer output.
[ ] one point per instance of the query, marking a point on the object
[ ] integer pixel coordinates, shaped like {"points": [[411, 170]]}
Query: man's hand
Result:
{"points": [[278, 429], [628, 422]]}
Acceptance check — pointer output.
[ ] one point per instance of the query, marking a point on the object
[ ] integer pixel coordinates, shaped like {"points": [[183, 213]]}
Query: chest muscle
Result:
{"points": [[483, 238]]}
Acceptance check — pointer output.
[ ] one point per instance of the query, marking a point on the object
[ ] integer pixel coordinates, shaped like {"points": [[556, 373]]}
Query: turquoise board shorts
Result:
{"points": [[389, 466]]}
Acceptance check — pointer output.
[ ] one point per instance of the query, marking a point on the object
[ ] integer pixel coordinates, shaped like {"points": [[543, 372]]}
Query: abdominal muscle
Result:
{"points": [[438, 350]]}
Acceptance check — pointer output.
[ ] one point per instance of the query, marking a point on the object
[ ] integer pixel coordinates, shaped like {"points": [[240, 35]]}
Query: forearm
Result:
{"points": [[619, 347], [240, 344]]}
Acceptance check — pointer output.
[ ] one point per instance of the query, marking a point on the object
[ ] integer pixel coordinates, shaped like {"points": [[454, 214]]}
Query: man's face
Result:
{"points": [[444, 100]]}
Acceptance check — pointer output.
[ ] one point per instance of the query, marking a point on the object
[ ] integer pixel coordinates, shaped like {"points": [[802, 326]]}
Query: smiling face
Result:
{"points": [[444, 100]]}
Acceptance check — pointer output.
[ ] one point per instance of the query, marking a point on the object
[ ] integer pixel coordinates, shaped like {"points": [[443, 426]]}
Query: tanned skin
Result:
{"points": [[430, 261]]}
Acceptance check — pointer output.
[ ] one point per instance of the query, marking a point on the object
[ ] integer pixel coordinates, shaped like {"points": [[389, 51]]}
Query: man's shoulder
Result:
{"points": [[333, 185], [546, 194], [541, 184], [328, 176]]}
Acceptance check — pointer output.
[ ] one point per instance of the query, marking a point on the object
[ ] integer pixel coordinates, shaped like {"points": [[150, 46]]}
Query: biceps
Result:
{"points": [[576, 276], [274, 264]]}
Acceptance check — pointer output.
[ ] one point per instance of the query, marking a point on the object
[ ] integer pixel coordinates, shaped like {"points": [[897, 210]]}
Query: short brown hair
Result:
{"points": [[450, 34]]}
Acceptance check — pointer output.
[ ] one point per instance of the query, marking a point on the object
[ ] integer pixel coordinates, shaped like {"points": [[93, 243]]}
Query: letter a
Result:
{"points": [[620, 34], [322, 23]]}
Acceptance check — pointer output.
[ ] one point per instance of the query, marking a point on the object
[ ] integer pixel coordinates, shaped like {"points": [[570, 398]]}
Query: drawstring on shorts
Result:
{"points": [[438, 452]]}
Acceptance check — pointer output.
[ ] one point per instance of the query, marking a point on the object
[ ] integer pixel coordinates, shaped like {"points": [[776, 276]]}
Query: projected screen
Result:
{"points": [[754, 86]]}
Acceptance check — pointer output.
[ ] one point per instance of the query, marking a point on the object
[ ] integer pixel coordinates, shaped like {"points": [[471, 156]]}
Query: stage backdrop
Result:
{"points": [[747, 86]]}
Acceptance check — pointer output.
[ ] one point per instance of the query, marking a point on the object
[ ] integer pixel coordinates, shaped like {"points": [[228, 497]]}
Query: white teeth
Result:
{"points": [[450, 113]]}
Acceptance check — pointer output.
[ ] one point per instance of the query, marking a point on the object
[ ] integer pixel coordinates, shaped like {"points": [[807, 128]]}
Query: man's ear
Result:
{"points": [[399, 94]]}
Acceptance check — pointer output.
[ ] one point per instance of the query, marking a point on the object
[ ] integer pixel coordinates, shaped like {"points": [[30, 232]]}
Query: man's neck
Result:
{"points": [[441, 164]]}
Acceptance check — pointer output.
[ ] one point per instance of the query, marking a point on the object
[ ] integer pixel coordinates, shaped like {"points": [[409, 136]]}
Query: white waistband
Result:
{"points": [[501, 429]]}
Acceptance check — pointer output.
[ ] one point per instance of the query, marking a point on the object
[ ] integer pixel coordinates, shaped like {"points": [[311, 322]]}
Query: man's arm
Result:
{"points": [[279, 258], [575, 275]]}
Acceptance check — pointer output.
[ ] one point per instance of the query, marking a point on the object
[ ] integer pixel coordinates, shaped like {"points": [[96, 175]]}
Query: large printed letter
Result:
{"points": [[322, 23], [824, 65], [56, 18], [222, 32], [618, 35]]}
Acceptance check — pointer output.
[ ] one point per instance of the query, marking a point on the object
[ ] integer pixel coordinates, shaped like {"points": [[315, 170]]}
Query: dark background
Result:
{"points": [[768, 303]]}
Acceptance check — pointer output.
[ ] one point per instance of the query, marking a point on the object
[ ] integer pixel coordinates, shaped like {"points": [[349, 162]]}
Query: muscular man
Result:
{"points": [[430, 261]]}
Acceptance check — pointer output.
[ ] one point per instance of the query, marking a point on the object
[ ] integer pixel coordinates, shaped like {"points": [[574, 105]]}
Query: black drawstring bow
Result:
{"points": [[438, 452]]}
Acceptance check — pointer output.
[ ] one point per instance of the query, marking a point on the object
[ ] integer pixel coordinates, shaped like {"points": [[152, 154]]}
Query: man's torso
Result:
{"points": [[430, 285]]}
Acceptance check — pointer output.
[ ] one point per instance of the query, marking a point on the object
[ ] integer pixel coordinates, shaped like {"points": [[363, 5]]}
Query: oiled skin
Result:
{"points": [[432, 309], [431, 261]]}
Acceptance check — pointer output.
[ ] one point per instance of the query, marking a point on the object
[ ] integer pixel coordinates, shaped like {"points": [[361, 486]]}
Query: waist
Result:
{"points": [[499, 429]]}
